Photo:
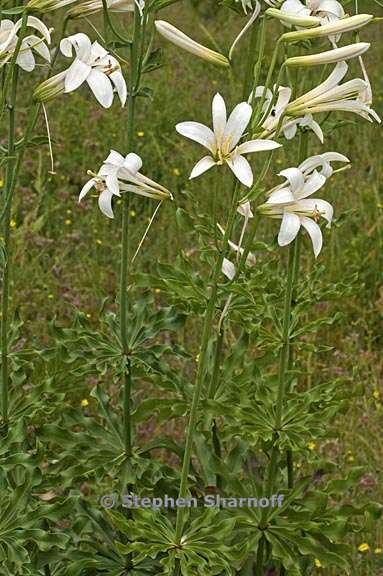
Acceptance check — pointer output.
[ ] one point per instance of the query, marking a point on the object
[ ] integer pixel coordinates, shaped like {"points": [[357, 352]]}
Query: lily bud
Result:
{"points": [[329, 57], [338, 27], [51, 88], [86, 9], [180, 39], [286, 18], [47, 5]]}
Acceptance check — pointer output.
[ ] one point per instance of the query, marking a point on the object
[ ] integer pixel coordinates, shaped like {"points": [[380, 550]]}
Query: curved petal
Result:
{"points": [[76, 74], [119, 82], [284, 95], [295, 7], [101, 87], [290, 129], [35, 43], [242, 170], [334, 157], [199, 133], [236, 125], [283, 196], [317, 205], [295, 178], [228, 269], [315, 234], [115, 158], [289, 228], [257, 146], [202, 166], [85, 189], [105, 203], [332, 7], [112, 183], [133, 162], [25, 59], [313, 183], [81, 44], [97, 52], [219, 117]]}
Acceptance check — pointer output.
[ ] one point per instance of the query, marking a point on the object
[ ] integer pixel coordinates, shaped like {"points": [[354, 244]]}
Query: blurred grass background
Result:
{"points": [[68, 254]]}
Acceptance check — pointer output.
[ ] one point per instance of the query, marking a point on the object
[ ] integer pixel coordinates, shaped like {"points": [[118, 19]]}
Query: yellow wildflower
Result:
{"points": [[84, 403], [318, 563], [13, 223], [364, 547], [140, 133], [311, 446]]}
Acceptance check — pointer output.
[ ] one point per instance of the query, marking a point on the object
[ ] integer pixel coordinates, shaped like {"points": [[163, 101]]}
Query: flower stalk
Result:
{"points": [[206, 331], [124, 274]]}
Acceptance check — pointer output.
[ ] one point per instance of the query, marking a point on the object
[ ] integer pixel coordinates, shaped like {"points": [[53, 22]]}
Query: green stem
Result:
{"points": [[259, 560], [206, 331], [7, 249], [267, 84], [124, 276]]}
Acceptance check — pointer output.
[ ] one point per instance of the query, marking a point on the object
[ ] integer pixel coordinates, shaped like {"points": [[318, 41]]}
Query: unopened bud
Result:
{"points": [[287, 18], [180, 39], [338, 27], [51, 88], [329, 57]]}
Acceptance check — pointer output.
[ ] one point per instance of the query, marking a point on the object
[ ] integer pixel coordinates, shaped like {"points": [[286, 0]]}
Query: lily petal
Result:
{"points": [[85, 189], [76, 75], [295, 178], [199, 133], [242, 170], [219, 117], [101, 87], [289, 228], [257, 146], [202, 166], [313, 183], [315, 234], [105, 203], [236, 125]]}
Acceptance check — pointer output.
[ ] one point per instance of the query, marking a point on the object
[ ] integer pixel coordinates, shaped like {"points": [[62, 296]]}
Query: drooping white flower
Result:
{"points": [[328, 96], [290, 201], [222, 141], [331, 95], [30, 44], [118, 175], [94, 65]]}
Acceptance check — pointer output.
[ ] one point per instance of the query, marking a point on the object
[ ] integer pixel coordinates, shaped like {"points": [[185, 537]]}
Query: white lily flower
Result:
{"points": [[331, 95], [94, 65], [290, 201], [25, 58], [180, 39], [330, 56], [222, 141], [118, 175]]}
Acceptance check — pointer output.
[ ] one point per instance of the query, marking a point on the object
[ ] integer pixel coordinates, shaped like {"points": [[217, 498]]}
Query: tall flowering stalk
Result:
{"points": [[12, 45]]}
